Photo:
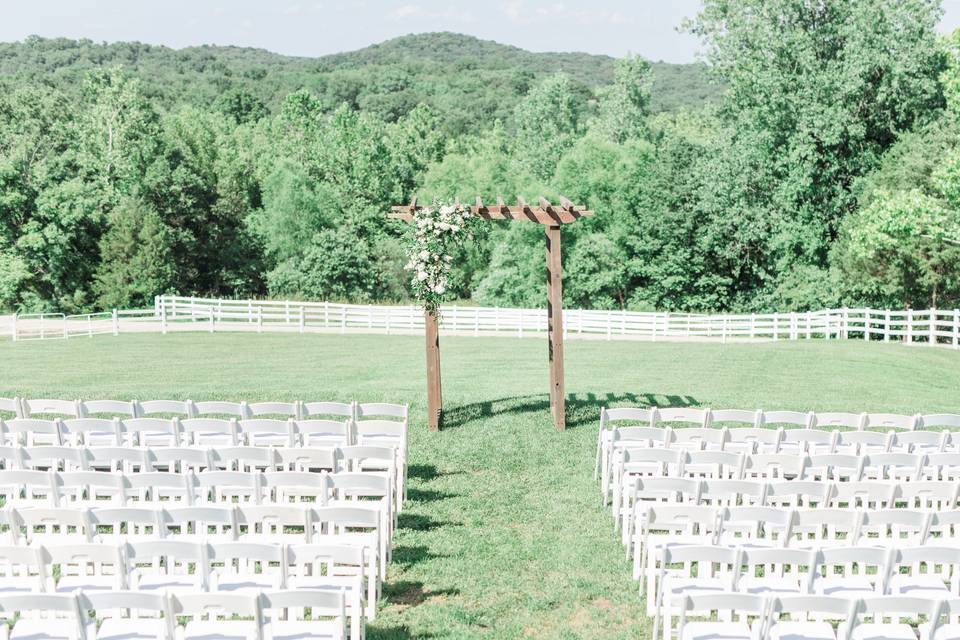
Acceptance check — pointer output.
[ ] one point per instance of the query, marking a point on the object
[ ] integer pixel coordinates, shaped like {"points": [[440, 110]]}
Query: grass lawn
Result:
{"points": [[504, 536]]}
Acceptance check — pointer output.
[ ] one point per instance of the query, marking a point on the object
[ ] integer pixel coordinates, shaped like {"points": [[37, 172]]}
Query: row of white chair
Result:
{"points": [[936, 495], [200, 431], [776, 527], [742, 616], [724, 465], [847, 572], [737, 418], [748, 440], [131, 460], [177, 566], [123, 615], [298, 409]]}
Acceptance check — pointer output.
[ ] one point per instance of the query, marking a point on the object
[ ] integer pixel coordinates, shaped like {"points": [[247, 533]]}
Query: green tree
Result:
{"points": [[623, 107], [548, 123], [136, 257]]}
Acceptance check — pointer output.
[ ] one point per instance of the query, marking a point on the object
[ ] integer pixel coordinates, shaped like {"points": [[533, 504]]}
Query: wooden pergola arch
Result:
{"points": [[552, 217]]}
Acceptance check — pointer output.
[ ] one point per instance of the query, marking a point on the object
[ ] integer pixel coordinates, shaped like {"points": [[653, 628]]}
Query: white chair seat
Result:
{"points": [[233, 582], [919, 586], [15, 584], [132, 629], [873, 631], [801, 631], [175, 582], [854, 587], [45, 629], [719, 631], [220, 630], [301, 630], [69, 584], [769, 586], [944, 632]]}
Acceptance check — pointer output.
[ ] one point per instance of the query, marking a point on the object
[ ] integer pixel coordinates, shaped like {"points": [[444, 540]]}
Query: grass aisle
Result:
{"points": [[503, 536]]}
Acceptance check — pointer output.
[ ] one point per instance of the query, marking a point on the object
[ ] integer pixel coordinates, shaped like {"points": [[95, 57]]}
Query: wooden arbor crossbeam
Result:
{"points": [[551, 216]]}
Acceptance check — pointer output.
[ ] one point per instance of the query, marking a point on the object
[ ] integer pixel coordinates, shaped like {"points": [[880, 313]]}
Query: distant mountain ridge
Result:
{"points": [[465, 78]]}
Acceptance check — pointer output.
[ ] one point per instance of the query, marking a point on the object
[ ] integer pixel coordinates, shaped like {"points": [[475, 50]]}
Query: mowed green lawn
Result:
{"points": [[504, 536]]}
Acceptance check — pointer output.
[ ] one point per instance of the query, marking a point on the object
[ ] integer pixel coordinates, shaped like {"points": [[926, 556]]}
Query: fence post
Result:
{"points": [[343, 319], [303, 319], [933, 328], [173, 306], [520, 329], [776, 325], [369, 316], [909, 326], [866, 325], [156, 306], [13, 328], [753, 325], [956, 328], [886, 326], [220, 310], [259, 319], [808, 319], [326, 314], [210, 316], [116, 322], [723, 331], [163, 319]]}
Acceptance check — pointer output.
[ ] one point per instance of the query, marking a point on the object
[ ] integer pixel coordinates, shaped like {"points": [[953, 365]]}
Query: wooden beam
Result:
{"points": [[547, 216], [555, 327], [434, 389]]}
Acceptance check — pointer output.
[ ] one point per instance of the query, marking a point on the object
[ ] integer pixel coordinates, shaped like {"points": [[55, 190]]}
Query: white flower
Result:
{"points": [[421, 276], [454, 228], [439, 289], [447, 210], [424, 254]]}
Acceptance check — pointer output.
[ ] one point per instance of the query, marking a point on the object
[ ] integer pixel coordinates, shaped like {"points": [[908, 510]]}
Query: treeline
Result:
{"points": [[828, 174]]}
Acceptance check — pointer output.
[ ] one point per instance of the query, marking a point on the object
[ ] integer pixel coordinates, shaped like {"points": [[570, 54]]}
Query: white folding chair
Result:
{"points": [[93, 432], [755, 526], [807, 615], [308, 459], [687, 417], [228, 487], [892, 617], [736, 419], [180, 459], [941, 466], [940, 421], [752, 440], [171, 408], [87, 567], [935, 496], [53, 458], [118, 524], [861, 443], [32, 432], [129, 615], [633, 437], [774, 466], [23, 488], [385, 459], [45, 616], [828, 420], [274, 523], [700, 438], [733, 493], [11, 407], [295, 487], [808, 441], [238, 567], [219, 616], [853, 572], [807, 494], [50, 407], [834, 466], [267, 432], [713, 465], [925, 572], [353, 525], [900, 467], [363, 490], [91, 488], [731, 616], [168, 566], [243, 458], [23, 570], [894, 528], [824, 527], [892, 421], [331, 567], [286, 409], [671, 524], [609, 419], [633, 464], [328, 618], [864, 494], [55, 525], [219, 407], [381, 424], [150, 432], [210, 432], [118, 459], [647, 491], [199, 523], [322, 433], [928, 442], [109, 408], [158, 488], [702, 569], [772, 571]]}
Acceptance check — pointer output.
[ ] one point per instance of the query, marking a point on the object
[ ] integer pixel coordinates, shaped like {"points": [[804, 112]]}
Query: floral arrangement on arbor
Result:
{"points": [[438, 230]]}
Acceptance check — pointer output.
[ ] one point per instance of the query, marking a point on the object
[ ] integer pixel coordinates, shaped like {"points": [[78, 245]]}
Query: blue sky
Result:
{"points": [[317, 27]]}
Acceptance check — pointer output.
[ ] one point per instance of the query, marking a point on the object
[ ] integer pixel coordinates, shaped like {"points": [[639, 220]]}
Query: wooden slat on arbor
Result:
{"points": [[544, 213]]}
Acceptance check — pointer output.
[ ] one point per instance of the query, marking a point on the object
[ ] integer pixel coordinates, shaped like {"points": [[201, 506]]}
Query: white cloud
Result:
{"points": [[293, 10], [417, 11], [407, 11], [518, 12]]}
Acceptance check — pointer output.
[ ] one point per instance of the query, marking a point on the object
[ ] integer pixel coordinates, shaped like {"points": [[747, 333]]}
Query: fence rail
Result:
{"points": [[935, 327]]}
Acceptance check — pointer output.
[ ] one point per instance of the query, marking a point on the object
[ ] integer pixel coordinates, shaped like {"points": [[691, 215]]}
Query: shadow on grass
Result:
{"points": [[417, 522], [581, 408], [428, 472], [427, 495], [407, 556], [409, 593], [394, 633]]}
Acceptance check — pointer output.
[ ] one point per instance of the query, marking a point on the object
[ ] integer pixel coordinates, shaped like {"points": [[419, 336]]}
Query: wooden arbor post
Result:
{"points": [[552, 217]]}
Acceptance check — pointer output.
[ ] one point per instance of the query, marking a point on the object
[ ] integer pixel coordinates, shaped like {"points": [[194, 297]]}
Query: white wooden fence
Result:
{"points": [[179, 313]]}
